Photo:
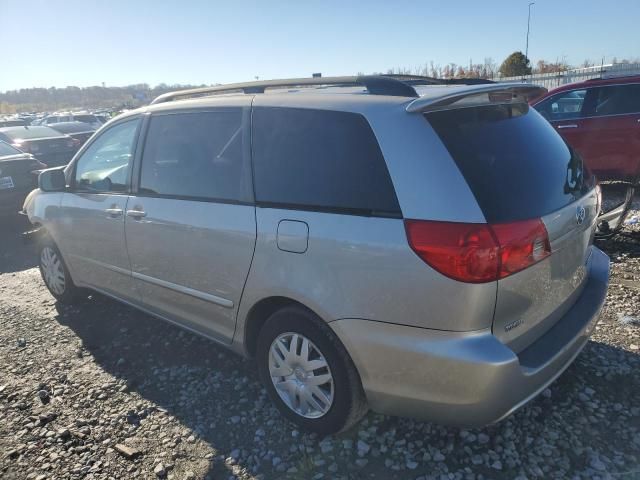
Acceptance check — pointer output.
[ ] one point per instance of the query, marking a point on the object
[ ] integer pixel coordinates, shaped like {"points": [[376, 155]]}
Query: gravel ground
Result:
{"points": [[101, 391]]}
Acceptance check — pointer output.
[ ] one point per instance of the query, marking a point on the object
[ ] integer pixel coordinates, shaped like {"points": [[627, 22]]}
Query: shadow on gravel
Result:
{"points": [[167, 366], [15, 254], [217, 395]]}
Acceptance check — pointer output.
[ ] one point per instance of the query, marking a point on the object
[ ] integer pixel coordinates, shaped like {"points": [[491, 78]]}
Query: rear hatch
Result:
{"points": [[520, 169], [18, 169]]}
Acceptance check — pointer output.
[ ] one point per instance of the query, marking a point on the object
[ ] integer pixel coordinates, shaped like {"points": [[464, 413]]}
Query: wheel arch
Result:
{"points": [[258, 315]]}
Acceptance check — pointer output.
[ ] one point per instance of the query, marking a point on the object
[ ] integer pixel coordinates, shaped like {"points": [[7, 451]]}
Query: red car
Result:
{"points": [[600, 119]]}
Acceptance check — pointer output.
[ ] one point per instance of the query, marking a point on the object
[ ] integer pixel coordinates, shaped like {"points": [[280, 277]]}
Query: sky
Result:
{"points": [[123, 42]]}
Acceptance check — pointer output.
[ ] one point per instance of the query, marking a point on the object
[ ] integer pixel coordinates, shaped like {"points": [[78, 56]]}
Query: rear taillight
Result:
{"points": [[464, 251], [522, 244], [476, 252]]}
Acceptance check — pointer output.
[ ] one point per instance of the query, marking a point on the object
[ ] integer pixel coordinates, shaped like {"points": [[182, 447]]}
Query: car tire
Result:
{"points": [[296, 353], [55, 273]]}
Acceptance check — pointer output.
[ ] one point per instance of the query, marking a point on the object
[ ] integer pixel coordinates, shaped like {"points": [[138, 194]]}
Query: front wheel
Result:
{"points": [[55, 274], [308, 373]]}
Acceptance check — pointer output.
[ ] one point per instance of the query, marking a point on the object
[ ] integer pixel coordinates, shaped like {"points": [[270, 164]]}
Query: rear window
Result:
{"points": [[29, 132], [320, 160], [85, 118], [515, 163], [6, 149], [73, 127]]}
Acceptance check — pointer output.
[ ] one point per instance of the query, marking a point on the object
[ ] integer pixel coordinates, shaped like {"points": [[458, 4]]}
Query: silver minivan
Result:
{"points": [[415, 247]]}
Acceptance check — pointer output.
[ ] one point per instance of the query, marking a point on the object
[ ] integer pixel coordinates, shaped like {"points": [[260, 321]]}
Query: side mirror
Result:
{"points": [[52, 180]]}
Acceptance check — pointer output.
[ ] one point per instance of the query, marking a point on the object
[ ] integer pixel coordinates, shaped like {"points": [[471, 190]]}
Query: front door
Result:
{"points": [[566, 111], [191, 226], [92, 213]]}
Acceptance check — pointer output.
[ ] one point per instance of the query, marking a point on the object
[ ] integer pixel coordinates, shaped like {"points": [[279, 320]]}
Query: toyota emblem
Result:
{"points": [[581, 213]]}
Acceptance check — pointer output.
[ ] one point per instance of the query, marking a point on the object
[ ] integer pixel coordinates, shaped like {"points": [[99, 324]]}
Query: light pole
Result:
{"points": [[526, 52]]}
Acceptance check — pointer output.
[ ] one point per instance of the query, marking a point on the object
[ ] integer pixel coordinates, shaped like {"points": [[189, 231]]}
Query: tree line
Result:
{"points": [[131, 96], [52, 99], [516, 64]]}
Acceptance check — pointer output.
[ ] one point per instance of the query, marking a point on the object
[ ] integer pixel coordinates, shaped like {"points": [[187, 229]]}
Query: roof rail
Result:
{"points": [[399, 85], [376, 84]]}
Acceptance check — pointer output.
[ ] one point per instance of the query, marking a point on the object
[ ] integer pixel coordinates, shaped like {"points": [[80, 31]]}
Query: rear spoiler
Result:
{"points": [[475, 95]]}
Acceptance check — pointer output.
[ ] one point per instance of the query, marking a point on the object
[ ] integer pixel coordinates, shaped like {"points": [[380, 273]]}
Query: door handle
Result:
{"points": [[114, 212], [138, 214], [570, 125]]}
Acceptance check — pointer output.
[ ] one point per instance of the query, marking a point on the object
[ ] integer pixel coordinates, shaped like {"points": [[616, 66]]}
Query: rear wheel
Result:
{"points": [[55, 273], [308, 373]]}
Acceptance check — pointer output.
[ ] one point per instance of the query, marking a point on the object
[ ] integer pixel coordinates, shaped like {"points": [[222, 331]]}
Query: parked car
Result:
{"points": [[46, 144], [422, 251], [103, 117], [78, 130], [600, 119], [92, 120], [18, 176], [12, 122]]}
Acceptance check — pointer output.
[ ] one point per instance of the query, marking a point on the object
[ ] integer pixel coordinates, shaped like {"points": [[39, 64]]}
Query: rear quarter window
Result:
{"points": [[515, 163], [320, 160]]}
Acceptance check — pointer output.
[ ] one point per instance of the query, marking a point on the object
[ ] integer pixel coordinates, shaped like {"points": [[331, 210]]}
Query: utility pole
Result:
{"points": [[526, 52]]}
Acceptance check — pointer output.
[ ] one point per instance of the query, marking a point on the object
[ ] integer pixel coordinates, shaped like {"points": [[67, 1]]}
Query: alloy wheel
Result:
{"points": [[52, 270], [301, 375]]}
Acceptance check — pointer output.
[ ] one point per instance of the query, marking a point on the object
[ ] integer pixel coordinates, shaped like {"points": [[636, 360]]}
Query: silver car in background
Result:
{"points": [[378, 242]]}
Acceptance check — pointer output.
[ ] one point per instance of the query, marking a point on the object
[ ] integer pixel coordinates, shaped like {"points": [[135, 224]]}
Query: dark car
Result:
{"points": [[103, 117], [600, 119], [18, 176], [46, 144], [13, 122], [79, 130]]}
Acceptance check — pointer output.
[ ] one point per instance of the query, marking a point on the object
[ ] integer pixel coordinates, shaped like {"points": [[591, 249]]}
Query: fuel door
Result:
{"points": [[293, 236]]}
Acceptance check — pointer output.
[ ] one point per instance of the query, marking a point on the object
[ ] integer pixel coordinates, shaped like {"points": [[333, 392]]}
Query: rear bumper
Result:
{"points": [[11, 200], [467, 378]]}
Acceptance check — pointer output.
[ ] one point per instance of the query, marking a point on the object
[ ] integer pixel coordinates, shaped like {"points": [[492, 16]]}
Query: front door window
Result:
{"points": [[105, 165]]}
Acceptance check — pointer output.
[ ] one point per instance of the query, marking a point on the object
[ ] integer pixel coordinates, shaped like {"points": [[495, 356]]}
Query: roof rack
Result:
{"points": [[389, 84]]}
